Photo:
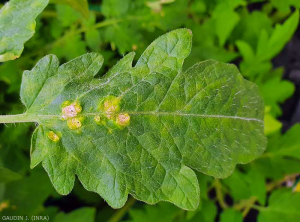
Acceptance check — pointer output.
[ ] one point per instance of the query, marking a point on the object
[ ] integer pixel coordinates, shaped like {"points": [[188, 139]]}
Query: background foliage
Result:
{"points": [[261, 37]]}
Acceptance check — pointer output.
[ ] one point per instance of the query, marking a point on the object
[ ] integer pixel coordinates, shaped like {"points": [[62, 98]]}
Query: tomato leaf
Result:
{"points": [[6, 175], [283, 206], [17, 25], [141, 130], [81, 6], [86, 214]]}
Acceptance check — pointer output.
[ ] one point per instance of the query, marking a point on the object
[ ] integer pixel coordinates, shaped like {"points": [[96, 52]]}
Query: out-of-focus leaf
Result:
{"points": [[204, 182], [17, 26], [92, 36], [86, 214], [206, 212], [268, 47], [162, 212], [243, 185], [35, 188], [286, 5], [250, 26], [225, 20], [283, 206], [70, 48], [206, 45], [115, 8], [123, 37], [86, 196], [257, 60], [282, 156], [257, 183], [7, 175], [275, 91], [81, 6], [11, 73], [230, 215], [66, 15], [238, 186], [271, 124]]}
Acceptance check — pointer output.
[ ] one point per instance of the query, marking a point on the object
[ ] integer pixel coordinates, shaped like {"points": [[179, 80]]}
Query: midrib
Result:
{"points": [[154, 113]]}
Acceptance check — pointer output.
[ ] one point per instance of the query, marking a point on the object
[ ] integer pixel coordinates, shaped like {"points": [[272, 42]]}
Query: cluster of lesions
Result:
{"points": [[111, 110], [71, 112], [108, 109]]}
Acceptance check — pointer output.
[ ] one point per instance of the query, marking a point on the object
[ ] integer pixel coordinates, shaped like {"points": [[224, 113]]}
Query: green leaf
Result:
{"points": [[140, 130], [263, 44], [115, 8], [284, 6], [230, 215], [69, 48], [268, 47], [271, 124], [245, 185], [86, 214], [17, 25], [81, 6], [26, 196], [276, 91], [206, 212], [282, 156], [250, 27], [225, 20], [66, 16], [7, 175], [162, 212], [283, 206]]}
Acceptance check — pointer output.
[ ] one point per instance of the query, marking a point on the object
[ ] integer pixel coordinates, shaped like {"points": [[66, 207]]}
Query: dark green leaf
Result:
{"points": [[7, 175], [81, 6], [83, 214], [283, 206], [17, 25], [231, 215]]}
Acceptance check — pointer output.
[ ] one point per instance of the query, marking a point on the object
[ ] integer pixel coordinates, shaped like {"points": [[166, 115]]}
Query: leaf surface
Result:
{"points": [[6, 175], [283, 206], [81, 6], [86, 214], [17, 25], [141, 130]]}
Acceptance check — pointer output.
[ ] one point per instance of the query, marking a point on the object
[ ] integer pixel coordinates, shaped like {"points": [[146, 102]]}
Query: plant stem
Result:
{"points": [[120, 213], [249, 205], [219, 193], [19, 118]]}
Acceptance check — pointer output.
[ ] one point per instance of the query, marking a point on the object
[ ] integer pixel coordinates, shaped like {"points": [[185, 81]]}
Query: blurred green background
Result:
{"points": [[261, 37]]}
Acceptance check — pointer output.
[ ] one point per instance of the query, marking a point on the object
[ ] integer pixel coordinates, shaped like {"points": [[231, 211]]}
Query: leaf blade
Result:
{"points": [[141, 130], [13, 37]]}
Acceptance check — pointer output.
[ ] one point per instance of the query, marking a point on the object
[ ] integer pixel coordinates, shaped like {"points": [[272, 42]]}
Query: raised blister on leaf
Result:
{"points": [[110, 106], [74, 123], [52, 136], [123, 119], [97, 119], [70, 110]]}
